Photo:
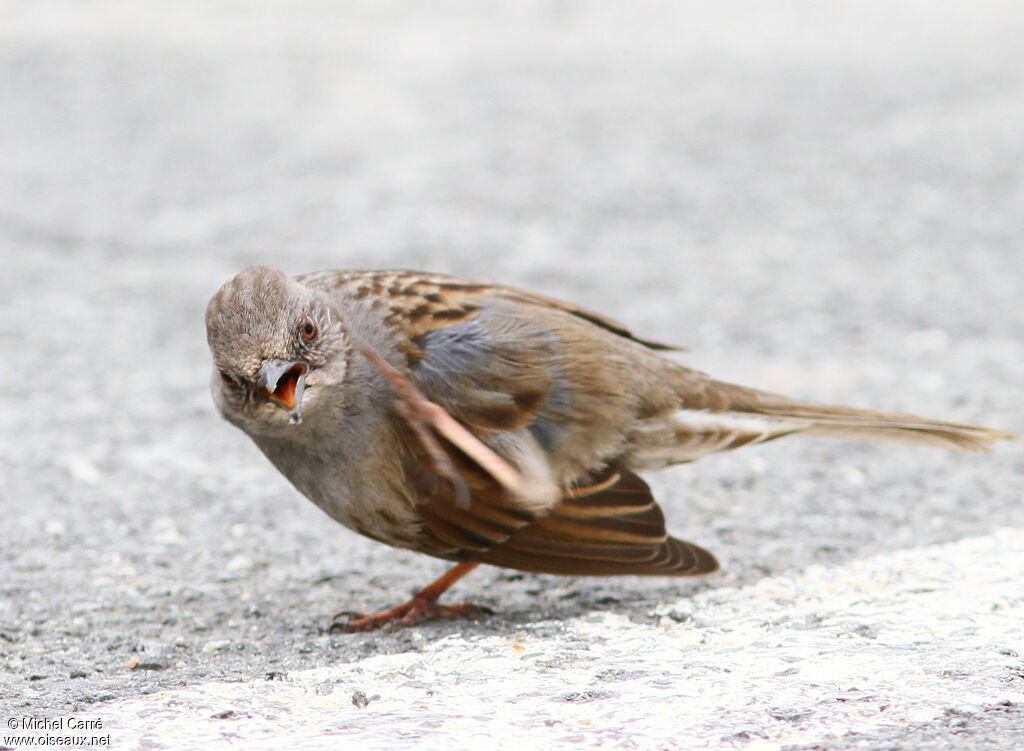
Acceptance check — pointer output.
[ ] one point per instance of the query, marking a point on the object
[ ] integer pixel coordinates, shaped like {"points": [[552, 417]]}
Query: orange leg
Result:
{"points": [[421, 607]]}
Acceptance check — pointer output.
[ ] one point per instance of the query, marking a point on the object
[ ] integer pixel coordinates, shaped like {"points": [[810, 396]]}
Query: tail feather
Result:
{"points": [[728, 417], [890, 427]]}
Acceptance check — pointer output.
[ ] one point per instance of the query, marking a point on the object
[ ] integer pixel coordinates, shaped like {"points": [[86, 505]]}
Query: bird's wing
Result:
{"points": [[617, 528], [493, 499], [612, 526], [420, 302]]}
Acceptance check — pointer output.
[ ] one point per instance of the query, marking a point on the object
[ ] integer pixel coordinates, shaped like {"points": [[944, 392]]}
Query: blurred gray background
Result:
{"points": [[824, 200]]}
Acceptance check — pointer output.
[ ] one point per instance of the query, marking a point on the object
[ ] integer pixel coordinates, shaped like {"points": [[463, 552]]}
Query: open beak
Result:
{"points": [[282, 381]]}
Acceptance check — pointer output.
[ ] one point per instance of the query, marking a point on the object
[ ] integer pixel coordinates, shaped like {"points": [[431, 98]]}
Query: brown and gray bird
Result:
{"points": [[480, 423]]}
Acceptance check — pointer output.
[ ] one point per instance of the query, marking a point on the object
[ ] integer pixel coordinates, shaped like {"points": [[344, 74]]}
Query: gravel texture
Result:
{"points": [[825, 200], [876, 644]]}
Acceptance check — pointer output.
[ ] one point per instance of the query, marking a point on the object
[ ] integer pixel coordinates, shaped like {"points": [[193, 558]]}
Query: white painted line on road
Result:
{"points": [[878, 643]]}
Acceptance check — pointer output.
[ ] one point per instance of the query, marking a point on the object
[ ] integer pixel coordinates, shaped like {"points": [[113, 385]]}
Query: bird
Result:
{"points": [[482, 423]]}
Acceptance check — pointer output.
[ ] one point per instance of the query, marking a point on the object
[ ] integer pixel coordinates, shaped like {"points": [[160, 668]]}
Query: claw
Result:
{"points": [[408, 613], [423, 606]]}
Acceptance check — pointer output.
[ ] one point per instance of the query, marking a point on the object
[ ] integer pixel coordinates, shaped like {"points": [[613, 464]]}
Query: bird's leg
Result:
{"points": [[421, 414], [421, 607]]}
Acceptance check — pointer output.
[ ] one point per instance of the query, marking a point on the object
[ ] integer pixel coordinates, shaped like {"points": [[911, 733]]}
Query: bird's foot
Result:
{"points": [[407, 614], [423, 606]]}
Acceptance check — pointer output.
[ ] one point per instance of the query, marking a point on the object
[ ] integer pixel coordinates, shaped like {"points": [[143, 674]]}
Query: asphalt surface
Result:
{"points": [[824, 200]]}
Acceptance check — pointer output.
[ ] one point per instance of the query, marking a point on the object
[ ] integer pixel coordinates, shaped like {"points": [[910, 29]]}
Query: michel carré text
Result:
{"points": [[59, 723]]}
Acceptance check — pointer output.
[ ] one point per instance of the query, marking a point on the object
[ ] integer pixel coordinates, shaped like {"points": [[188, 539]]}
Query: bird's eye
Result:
{"points": [[308, 329], [228, 380]]}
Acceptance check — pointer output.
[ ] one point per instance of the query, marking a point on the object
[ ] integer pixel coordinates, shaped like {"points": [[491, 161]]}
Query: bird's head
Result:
{"points": [[275, 345]]}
